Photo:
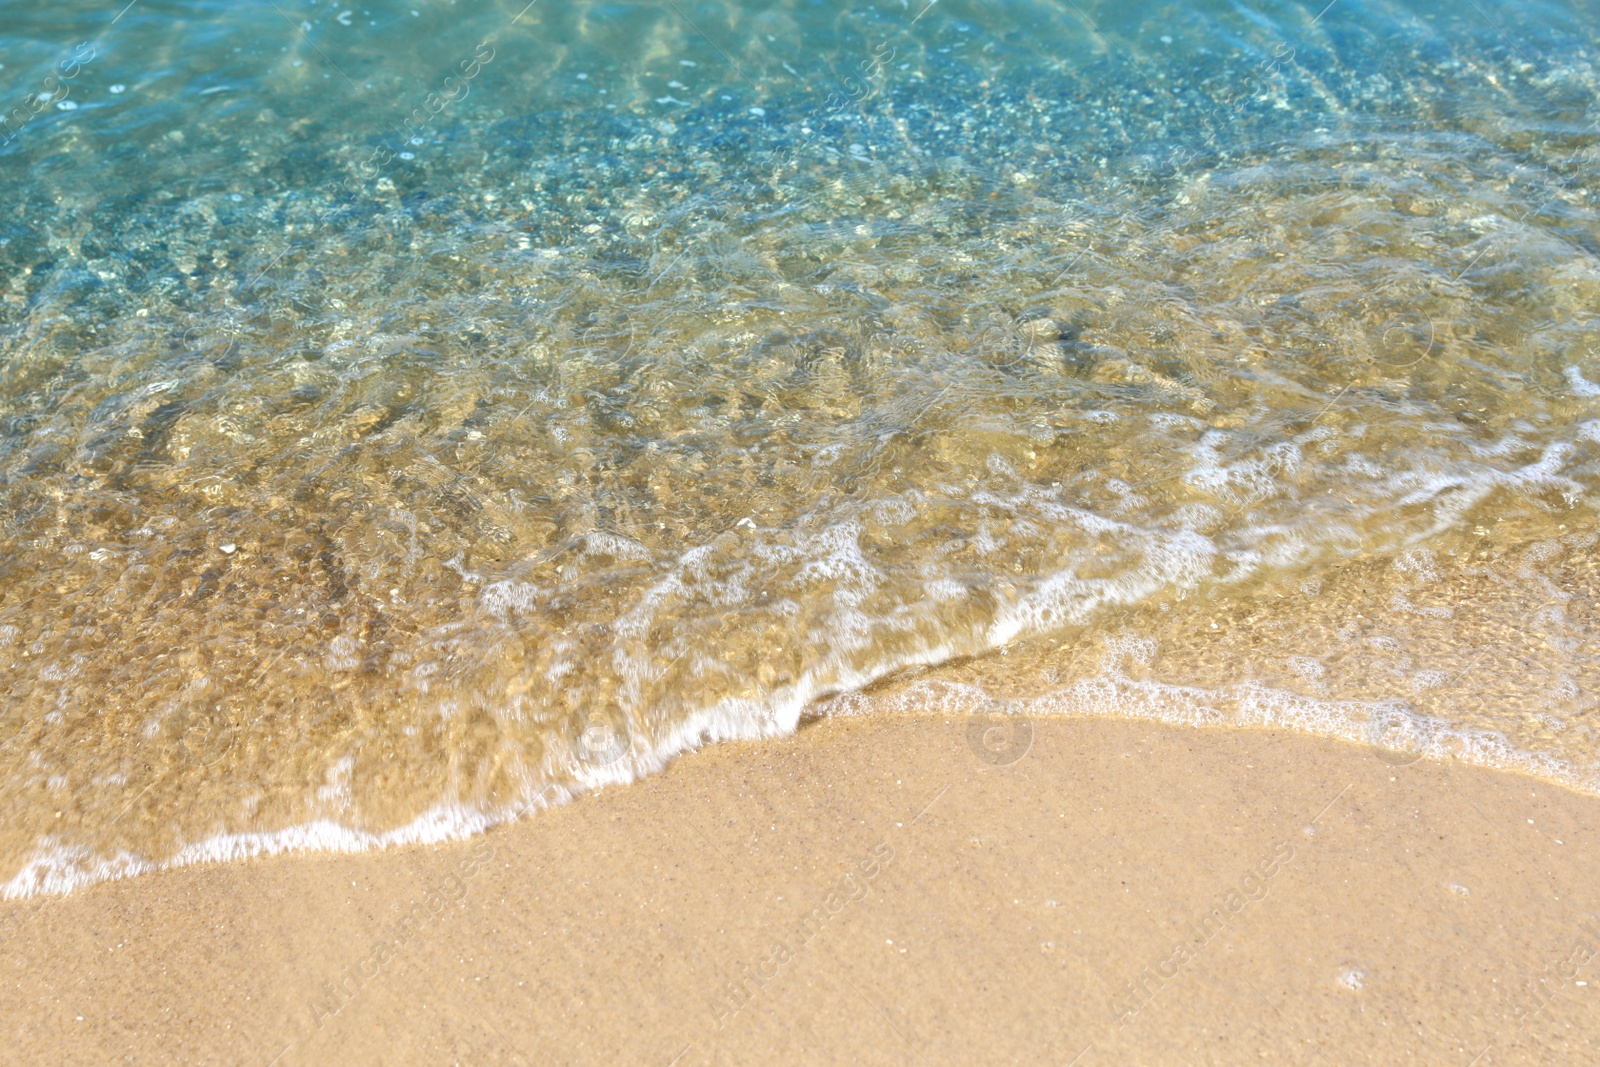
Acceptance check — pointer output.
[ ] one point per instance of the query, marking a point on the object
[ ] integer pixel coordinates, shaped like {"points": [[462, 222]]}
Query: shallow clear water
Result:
{"points": [[410, 416]]}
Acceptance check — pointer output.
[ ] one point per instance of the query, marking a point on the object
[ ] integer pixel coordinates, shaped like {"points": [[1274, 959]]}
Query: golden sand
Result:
{"points": [[871, 891]]}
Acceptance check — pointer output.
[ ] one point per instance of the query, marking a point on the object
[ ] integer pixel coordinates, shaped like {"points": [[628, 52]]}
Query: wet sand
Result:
{"points": [[872, 891]]}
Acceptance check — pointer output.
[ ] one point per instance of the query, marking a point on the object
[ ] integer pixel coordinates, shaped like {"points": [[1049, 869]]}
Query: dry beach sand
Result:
{"points": [[871, 891]]}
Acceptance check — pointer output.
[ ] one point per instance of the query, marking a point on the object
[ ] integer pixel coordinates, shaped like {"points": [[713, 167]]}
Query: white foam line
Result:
{"points": [[61, 868]]}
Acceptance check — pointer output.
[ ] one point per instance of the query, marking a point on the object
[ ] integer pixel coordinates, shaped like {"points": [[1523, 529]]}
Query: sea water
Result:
{"points": [[412, 415]]}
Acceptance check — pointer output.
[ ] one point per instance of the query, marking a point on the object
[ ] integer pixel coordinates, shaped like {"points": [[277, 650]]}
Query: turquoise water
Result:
{"points": [[411, 416]]}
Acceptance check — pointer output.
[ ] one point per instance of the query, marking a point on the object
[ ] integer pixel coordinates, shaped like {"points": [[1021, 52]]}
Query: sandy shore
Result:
{"points": [[872, 891]]}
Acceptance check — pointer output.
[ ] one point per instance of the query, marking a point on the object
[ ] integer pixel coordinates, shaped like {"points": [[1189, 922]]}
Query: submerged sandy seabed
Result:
{"points": [[886, 889]]}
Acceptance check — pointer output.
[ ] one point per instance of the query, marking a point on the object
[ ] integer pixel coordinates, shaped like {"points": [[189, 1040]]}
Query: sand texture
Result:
{"points": [[872, 891]]}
